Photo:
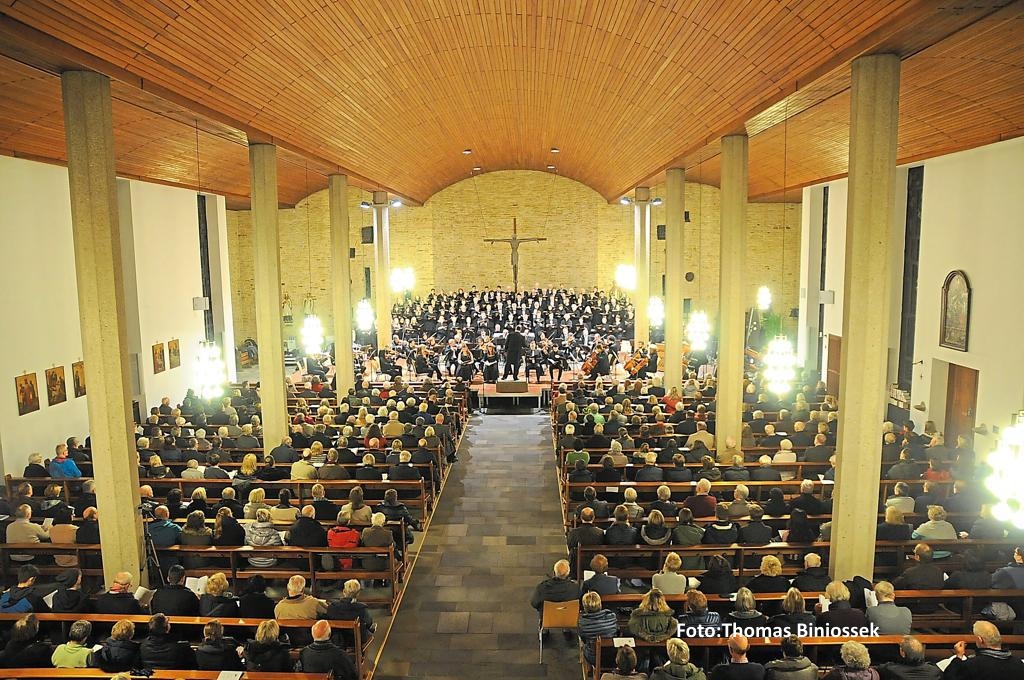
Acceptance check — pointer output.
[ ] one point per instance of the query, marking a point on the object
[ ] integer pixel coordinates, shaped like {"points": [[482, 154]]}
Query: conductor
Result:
{"points": [[515, 343]]}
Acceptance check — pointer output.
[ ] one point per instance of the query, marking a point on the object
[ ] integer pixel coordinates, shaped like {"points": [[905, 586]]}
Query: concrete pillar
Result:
{"points": [[642, 263], [812, 210], [382, 262], [866, 310], [267, 256], [341, 285], [732, 290], [674, 226], [89, 132]]}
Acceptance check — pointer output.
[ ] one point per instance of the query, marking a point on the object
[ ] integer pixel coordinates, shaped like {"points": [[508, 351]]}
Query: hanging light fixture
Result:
{"points": [[656, 311], [210, 371], [779, 366], [698, 331], [1007, 480], [364, 315], [625, 277], [764, 298], [403, 279]]}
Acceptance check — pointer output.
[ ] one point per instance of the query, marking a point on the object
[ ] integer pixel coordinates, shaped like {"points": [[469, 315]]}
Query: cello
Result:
{"points": [[590, 364]]}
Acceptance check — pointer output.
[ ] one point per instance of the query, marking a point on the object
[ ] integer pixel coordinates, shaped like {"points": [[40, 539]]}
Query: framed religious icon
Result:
{"points": [[28, 393], [56, 390], [159, 364], [955, 323], [173, 354], [78, 378]]}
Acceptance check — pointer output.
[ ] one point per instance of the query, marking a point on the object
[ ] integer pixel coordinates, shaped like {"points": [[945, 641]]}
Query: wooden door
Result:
{"points": [[961, 402], [835, 355]]}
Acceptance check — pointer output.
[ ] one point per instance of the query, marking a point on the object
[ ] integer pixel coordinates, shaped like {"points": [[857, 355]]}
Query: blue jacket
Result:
{"points": [[165, 533], [64, 469], [20, 604]]}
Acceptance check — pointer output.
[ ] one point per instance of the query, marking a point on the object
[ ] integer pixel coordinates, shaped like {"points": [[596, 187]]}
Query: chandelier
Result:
{"points": [[210, 371], [698, 331], [779, 366], [1006, 479]]}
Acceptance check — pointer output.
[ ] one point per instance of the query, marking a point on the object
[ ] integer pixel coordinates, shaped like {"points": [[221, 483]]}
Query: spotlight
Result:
{"points": [[466, 152], [555, 149], [764, 298], [625, 277], [656, 311], [364, 315], [210, 372], [626, 200], [657, 201], [396, 203], [779, 366], [477, 168], [698, 330], [365, 205], [551, 167]]}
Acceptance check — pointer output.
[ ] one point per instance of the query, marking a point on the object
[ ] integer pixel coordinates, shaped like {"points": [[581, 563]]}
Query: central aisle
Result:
{"points": [[496, 534]]}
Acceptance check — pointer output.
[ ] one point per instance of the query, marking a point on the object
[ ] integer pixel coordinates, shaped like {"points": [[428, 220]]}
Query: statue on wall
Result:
{"points": [[514, 242]]}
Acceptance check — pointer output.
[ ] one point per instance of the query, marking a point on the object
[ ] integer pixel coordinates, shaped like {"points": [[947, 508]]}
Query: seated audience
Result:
{"points": [[24, 530], [217, 652], [120, 599], [678, 666], [936, 529], [738, 667], [814, 577], [119, 653], [26, 648], [793, 665], [770, 580], [356, 511], [654, 531], [284, 511], [696, 612], [794, 611], [161, 650], [840, 613], [262, 533], [653, 620], [856, 664], [217, 600], [595, 621], [558, 588], [756, 531], [323, 656], [669, 581], [254, 603], [69, 597], [266, 653], [925, 575], [625, 666], [718, 579], [745, 612], [724, 531], [347, 608], [297, 604], [22, 597], [174, 599], [76, 652], [601, 582], [890, 619]]}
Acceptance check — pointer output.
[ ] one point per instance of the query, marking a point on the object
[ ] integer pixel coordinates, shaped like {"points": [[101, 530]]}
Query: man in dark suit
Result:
{"points": [[120, 599], [765, 473], [923, 576], [770, 440], [799, 435], [601, 583], [757, 422], [650, 472], [584, 534], [814, 577], [175, 599], [890, 448], [819, 452], [515, 343], [283, 452], [404, 471]]}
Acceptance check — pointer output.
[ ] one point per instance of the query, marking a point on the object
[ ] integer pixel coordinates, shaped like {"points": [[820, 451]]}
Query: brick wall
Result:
{"points": [[587, 239]]}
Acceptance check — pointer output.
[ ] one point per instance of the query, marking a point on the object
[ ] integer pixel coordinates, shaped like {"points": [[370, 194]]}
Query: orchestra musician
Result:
{"points": [[535, 361], [426, 363], [602, 362]]}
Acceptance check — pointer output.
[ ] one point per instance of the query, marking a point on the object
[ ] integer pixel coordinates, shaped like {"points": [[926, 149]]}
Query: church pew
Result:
{"points": [[238, 569], [745, 558], [707, 652], [194, 624]]}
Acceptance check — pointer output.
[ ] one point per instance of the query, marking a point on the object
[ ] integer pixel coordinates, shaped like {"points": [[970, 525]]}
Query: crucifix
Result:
{"points": [[514, 242]]}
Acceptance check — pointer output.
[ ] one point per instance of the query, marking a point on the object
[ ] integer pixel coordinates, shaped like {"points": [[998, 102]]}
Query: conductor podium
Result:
{"points": [[510, 386]]}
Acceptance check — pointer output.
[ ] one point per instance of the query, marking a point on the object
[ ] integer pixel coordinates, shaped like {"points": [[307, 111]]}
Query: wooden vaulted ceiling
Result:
{"points": [[391, 92]]}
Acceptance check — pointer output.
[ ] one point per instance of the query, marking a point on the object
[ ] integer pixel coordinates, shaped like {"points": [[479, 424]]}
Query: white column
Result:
{"points": [[674, 249], [867, 299], [341, 284], [89, 131], [642, 263], [808, 331], [731, 290], [382, 262], [267, 270]]}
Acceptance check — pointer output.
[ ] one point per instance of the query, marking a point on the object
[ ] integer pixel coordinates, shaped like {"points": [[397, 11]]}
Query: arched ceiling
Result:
{"points": [[391, 93]]}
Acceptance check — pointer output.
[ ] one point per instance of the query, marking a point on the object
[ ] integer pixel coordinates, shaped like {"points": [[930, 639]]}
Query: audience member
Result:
{"points": [[266, 653], [217, 652], [595, 621], [161, 650], [911, 663], [601, 582], [890, 619], [217, 600], [347, 608], [76, 652], [738, 667], [174, 599], [120, 598], [856, 664], [119, 653], [323, 656], [793, 665], [678, 666], [26, 648]]}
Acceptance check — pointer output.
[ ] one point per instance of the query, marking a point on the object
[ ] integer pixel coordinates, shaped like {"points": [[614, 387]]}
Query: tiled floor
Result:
{"points": [[493, 537]]}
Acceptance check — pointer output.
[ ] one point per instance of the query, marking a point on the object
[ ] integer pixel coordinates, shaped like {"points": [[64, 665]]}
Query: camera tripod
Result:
{"points": [[156, 574]]}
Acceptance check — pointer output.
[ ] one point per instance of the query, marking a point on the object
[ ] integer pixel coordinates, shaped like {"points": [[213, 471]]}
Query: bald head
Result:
{"points": [[321, 631], [738, 646]]}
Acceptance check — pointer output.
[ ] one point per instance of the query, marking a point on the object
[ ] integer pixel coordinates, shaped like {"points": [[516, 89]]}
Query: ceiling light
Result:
{"points": [[477, 168], [551, 167], [396, 203], [625, 200], [657, 201], [466, 152], [555, 149], [625, 276], [365, 205], [364, 315]]}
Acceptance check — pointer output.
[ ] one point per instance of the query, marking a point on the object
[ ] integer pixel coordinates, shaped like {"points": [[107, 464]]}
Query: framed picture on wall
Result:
{"points": [[28, 393], [56, 391], [159, 364], [78, 378], [173, 354], [955, 323]]}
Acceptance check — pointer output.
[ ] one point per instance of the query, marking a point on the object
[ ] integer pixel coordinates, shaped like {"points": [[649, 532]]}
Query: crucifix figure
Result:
{"points": [[514, 242]]}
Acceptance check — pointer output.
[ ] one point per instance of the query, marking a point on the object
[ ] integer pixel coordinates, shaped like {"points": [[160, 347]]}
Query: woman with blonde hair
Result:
{"points": [[794, 611], [745, 611], [216, 652], [226, 529], [652, 620], [120, 652], [678, 666], [856, 664], [936, 528], [248, 467], [266, 653], [256, 502], [196, 533], [669, 580], [217, 601], [770, 580]]}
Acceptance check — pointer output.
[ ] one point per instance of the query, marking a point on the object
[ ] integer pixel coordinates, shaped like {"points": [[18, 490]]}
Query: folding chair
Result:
{"points": [[557, 615]]}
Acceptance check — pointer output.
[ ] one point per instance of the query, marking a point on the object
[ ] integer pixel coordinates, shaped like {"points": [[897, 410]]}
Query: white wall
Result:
{"points": [[164, 226], [39, 307], [972, 219]]}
